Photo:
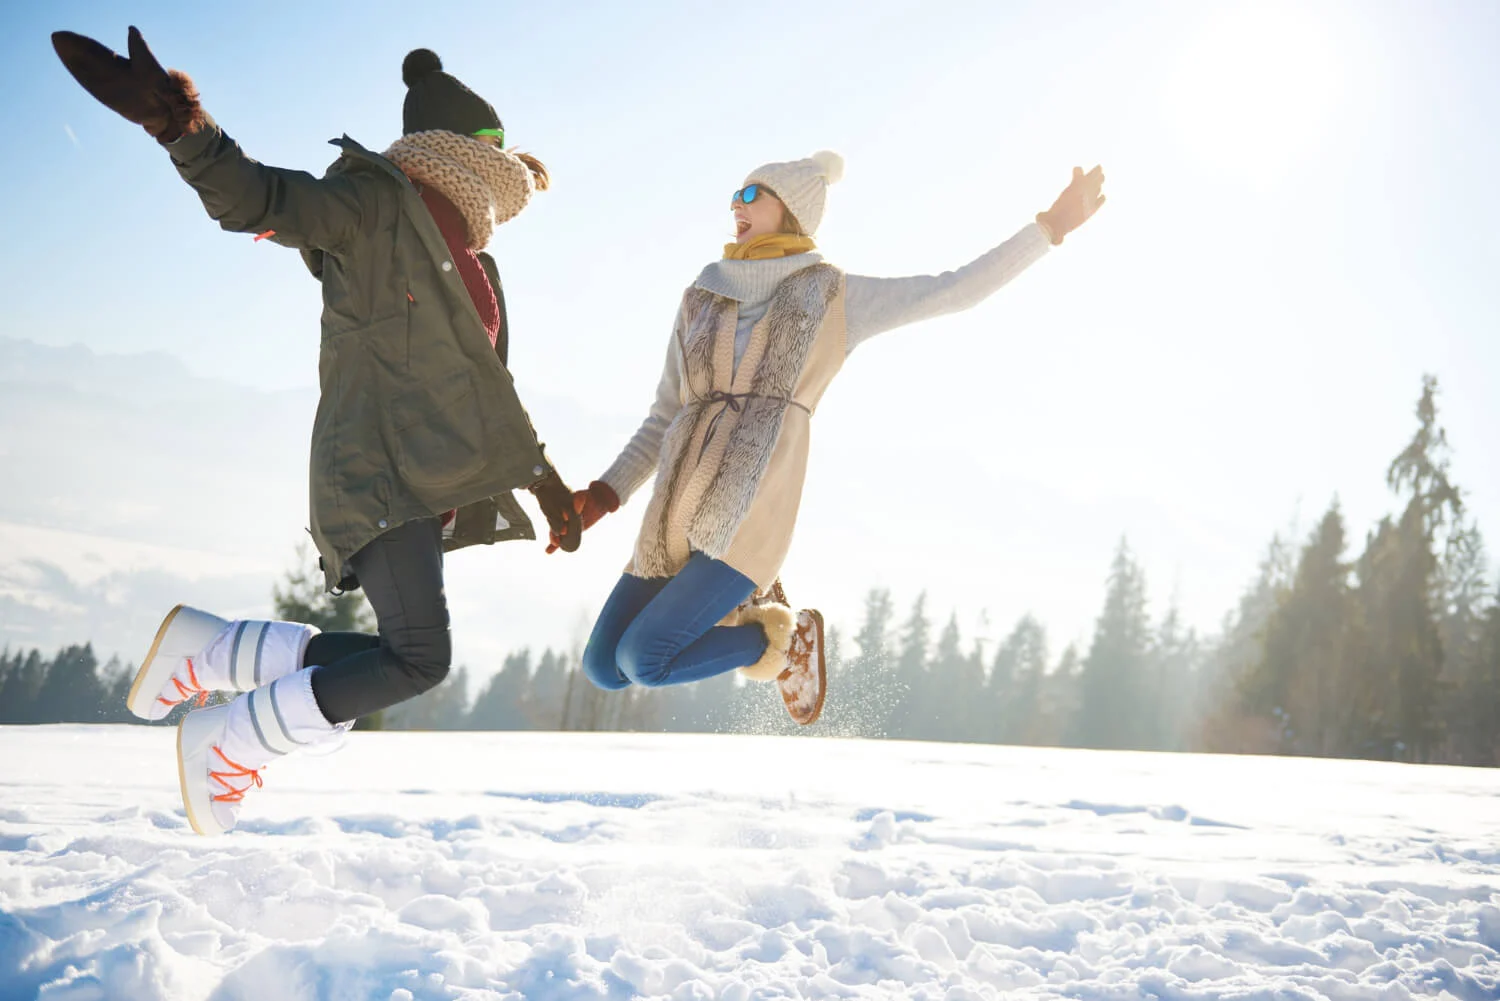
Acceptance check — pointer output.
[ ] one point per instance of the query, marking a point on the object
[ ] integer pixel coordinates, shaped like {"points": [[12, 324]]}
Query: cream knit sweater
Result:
{"points": [[873, 306]]}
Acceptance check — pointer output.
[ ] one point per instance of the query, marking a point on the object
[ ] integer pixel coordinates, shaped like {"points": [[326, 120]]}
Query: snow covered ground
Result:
{"points": [[558, 866]]}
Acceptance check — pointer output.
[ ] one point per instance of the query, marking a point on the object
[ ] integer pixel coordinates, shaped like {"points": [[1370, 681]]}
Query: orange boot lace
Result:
{"points": [[192, 690], [234, 795]]}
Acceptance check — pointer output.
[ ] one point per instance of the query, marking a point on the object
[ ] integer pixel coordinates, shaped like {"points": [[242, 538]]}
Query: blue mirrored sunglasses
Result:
{"points": [[747, 194]]}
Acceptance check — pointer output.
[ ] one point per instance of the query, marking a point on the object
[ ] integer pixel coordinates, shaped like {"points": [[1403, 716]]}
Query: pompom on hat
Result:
{"points": [[802, 185], [437, 100]]}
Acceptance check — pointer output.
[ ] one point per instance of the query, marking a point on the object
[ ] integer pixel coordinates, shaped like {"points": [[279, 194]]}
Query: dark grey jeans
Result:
{"points": [[356, 674]]}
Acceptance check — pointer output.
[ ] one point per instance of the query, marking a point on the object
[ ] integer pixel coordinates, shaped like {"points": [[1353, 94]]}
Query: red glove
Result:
{"points": [[591, 504]]}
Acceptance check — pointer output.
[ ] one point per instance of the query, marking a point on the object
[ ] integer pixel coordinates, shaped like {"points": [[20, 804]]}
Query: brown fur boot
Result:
{"points": [[804, 683]]}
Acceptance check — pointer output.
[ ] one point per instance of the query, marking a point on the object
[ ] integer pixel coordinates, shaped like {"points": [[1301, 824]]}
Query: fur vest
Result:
{"points": [[733, 461]]}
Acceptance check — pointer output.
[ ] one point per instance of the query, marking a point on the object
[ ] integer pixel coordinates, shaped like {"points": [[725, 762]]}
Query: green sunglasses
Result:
{"points": [[500, 133]]}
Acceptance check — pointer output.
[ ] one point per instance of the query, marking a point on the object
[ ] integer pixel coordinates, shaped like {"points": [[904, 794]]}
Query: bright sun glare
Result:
{"points": [[1254, 89]]}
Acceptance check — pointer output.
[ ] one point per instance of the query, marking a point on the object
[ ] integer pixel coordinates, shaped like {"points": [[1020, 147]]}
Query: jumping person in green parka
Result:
{"points": [[419, 436]]}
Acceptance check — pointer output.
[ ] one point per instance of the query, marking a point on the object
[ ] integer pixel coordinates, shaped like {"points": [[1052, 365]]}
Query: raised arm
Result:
{"points": [[244, 196], [875, 305]]}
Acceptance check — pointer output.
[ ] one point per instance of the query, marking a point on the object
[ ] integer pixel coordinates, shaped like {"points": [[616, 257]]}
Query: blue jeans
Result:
{"points": [[661, 630]]}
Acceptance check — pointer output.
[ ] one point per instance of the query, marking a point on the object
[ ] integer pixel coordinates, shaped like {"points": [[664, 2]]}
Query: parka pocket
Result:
{"points": [[439, 436]]}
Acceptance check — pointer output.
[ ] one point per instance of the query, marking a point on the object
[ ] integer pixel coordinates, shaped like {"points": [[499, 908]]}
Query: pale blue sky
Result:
{"points": [[1302, 220]]}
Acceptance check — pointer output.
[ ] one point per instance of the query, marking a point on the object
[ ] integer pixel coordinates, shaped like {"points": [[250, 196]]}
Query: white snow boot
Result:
{"points": [[804, 683], [221, 750], [196, 652]]}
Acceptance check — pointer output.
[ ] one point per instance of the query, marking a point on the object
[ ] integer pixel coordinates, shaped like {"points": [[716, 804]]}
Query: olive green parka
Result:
{"points": [[417, 413]]}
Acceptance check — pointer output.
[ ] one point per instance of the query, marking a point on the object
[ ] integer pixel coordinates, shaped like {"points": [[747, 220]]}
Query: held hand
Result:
{"points": [[556, 501], [138, 89], [1079, 200], [591, 504]]}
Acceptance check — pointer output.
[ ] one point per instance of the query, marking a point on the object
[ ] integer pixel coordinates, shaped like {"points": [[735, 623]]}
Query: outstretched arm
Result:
{"points": [[244, 196], [875, 305]]}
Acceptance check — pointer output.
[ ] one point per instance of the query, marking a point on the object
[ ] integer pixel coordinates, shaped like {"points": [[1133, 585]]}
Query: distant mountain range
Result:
{"points": [[128, 483], [123, 478]]}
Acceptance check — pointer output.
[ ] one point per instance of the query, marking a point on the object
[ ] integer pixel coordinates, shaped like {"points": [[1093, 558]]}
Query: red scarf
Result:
{"points": [[456, 235]]}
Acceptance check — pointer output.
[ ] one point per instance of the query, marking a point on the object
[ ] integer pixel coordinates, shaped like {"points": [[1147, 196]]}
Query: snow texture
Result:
{"points": [[416, 867]]}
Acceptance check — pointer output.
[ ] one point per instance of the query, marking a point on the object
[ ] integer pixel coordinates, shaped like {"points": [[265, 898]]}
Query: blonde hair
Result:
{"points": [[541, 180], [789, 223]]}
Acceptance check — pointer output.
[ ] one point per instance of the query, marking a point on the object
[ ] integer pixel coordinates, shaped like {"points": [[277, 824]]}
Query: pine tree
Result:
{"points": [[1015, 690], [875, 672], [1062, 698], [547, 696], [22, 683], [909, 713], [1114, 711], [1400, 591], [500, 704], [1224, 723], [952, 687], [71, 691], [1466, 603], [1304, 683], [116, 679], [1174, 660], [1481, 736]]}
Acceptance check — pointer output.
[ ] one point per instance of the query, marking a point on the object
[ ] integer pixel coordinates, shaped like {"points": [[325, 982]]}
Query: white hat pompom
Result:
{"points": [[831, 164], [802, 185]]}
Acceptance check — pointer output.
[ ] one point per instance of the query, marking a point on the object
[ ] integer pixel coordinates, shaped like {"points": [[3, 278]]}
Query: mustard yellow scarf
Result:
{"points": [[768, 246]]}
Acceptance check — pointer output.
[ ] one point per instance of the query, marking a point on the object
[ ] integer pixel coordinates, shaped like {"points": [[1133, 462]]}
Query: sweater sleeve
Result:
{"points": [[641, 454], [875, 305]]}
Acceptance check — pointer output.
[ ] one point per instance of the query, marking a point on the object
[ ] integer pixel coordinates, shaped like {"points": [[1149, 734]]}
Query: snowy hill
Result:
{"points": [[551, 867], [130, 483]]}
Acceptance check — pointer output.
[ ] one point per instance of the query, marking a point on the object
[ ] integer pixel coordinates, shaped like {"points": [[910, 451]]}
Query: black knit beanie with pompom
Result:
{"points": [[436, 100]]}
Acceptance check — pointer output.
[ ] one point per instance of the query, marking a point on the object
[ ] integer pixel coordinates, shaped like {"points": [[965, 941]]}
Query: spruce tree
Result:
{"points": [[1114, 711], [952, 688], [500, 704], [1306, 678], [1015, 692], [1400, 592], [71, 691], [1466, 604]]}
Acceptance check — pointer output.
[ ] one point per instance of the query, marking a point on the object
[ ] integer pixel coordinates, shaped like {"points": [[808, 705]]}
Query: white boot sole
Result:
{"points": [[182, 634], [153, 676], [196, 736]]}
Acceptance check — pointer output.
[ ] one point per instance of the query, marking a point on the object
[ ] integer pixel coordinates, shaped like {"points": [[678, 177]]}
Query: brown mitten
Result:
{"points": [[591, 504], [164, 103], [556, 501]]}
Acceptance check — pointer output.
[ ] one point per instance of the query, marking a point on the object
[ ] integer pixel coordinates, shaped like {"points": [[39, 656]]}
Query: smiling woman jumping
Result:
{"points": [[759, 336]]}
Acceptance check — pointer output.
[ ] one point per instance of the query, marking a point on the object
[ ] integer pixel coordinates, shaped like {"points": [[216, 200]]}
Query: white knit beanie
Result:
{"points": [[802, 185]]}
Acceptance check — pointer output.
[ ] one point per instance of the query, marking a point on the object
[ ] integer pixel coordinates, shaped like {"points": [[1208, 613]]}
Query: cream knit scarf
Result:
{"points": [[487, 184]]}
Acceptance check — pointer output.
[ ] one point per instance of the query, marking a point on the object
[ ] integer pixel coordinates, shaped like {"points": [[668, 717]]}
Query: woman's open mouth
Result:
{"points": [[741, 225]]}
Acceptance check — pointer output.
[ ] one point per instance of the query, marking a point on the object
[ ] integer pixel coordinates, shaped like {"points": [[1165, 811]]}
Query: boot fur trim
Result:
{"points": [[778, 622]]}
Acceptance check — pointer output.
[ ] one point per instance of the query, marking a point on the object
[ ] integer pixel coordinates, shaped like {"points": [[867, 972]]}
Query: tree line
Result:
{"points": [[1392, 653]]}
